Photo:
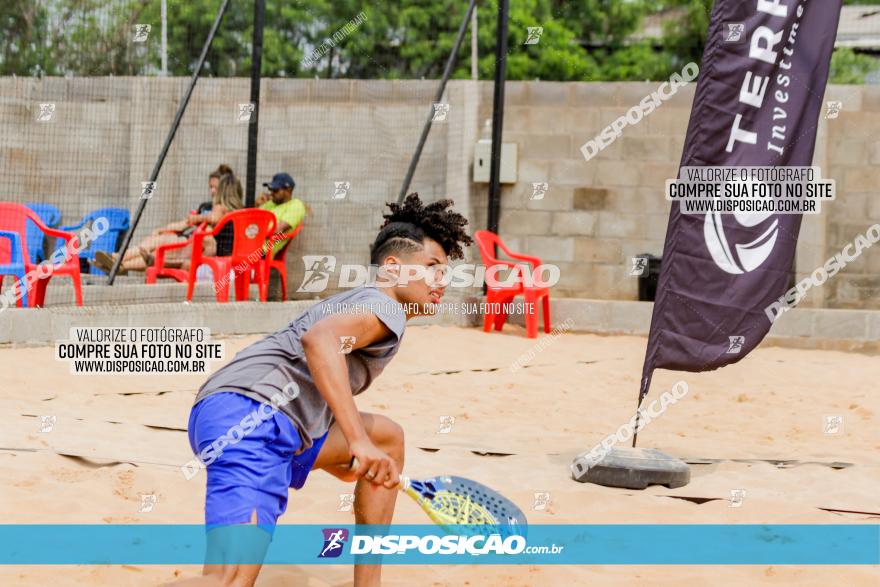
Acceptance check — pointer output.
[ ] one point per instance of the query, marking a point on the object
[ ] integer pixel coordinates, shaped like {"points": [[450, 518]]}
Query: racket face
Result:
{"points": [[454, 501]]}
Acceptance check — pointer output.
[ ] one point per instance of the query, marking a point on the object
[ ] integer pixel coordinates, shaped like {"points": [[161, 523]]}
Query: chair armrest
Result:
{"points": [[489, 259], [15, 249], [172, 246], [494, 260], [275, 237], [199, 235], [203, 230], [535, 261], [57, 232], [295, 230], [519, 256], [68, 237], [159, 253], [14, 238]]}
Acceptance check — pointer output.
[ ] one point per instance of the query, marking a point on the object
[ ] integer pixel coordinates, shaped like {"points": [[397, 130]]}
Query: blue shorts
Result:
{"points": [[255, 472]]}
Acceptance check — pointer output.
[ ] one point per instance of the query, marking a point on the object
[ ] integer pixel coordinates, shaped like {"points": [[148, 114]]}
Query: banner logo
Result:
{"points": [[749, 256]]}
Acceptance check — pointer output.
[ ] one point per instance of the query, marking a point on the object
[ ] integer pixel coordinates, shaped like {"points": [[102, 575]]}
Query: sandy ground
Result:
{"points": [[573, 392]]}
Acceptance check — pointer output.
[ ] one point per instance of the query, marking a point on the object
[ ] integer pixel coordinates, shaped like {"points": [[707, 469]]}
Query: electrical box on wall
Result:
{"points": [[483, 157]]}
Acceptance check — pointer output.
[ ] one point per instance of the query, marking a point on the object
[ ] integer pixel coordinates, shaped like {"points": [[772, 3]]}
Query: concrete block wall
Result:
{"points": [[594, 218], [107, 133], [852, 157], [841, 330], [597, 214]]}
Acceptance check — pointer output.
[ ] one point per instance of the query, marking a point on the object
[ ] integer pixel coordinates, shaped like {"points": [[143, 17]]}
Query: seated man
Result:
{"points": [[288, 211]]}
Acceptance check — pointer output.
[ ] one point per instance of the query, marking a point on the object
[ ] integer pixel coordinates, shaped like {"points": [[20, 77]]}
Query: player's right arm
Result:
{"points": [[321, 345]]}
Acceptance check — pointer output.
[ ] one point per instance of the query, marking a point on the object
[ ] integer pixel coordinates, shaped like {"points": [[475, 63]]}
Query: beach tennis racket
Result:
{"points": [[456, 501]]}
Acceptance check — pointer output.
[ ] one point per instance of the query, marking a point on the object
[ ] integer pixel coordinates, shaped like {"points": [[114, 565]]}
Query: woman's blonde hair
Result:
{"points": [[222, 169], [229, 192]]}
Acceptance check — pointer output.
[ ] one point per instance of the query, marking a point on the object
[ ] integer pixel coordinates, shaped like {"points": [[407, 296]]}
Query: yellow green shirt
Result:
{"points": [[292, 212]]}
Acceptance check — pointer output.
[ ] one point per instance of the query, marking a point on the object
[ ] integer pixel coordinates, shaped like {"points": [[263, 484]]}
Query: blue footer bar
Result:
{"points": [[654, 544]]}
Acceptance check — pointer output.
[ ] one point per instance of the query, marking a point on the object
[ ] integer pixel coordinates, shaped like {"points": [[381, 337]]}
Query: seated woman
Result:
{"points": [[226, 192], [229, 197]]}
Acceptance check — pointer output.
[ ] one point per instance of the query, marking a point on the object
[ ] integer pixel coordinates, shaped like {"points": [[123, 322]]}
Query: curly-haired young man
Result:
{"points": [[291, 395]]}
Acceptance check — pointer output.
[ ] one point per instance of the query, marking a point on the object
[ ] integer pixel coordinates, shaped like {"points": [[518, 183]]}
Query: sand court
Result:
{"points": [[469, 409]]}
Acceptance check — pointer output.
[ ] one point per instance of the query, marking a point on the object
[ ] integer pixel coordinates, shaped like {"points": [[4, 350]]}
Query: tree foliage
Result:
{"points": [[580, 40]]}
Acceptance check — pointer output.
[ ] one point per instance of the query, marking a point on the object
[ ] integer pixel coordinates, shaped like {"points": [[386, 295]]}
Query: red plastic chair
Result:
{"points": [[13, 218], [251, 227], [160, 270], [498, 294], [278, 262]]}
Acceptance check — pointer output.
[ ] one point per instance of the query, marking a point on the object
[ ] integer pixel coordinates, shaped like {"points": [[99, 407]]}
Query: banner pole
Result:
{"points": [[643, 392]]}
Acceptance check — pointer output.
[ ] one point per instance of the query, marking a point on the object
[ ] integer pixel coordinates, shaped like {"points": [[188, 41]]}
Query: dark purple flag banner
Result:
{"points": [[757, 103]]}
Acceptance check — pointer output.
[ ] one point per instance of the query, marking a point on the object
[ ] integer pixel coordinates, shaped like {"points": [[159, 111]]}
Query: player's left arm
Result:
{"points": [[321, 345]]}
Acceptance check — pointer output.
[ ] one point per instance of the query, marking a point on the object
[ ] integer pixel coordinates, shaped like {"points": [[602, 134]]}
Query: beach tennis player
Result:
{"points": [[292, 392]]}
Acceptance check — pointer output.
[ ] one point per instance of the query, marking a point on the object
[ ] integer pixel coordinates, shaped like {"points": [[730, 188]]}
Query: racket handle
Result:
{"points": [[354, 464]]}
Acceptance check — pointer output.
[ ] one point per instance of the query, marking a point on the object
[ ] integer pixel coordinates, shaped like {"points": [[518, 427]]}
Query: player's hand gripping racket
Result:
{"points": [[453, 501]]}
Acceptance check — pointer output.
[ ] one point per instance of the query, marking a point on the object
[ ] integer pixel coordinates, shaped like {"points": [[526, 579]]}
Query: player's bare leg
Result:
{"points": [[373, 504], [224, 575]]}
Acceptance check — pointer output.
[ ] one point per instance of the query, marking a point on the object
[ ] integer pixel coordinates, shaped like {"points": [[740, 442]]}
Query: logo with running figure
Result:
{"points": [[346, 502], [148, 189], [46, 112], [734, 32], [346, 344], [341, 189], [148, 502], [735, 344], [533, 36], [441, 111], [833, 424], [245, 113], [141, 32], [639, 264], [47, 423], [334, 542], [736, 498], [539, 190], [317, 274]]}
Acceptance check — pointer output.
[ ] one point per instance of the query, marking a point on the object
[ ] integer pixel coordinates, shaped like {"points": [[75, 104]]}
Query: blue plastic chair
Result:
{"points": [[15, 266], [118, 218], [51, 217]]}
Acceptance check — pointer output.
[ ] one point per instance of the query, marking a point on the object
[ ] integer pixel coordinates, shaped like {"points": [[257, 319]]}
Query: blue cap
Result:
{"points": [[279, 181]]}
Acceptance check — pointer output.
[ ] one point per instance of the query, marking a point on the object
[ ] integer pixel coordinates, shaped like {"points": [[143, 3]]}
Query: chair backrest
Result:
{"points": [[117, 217], [251, 228], [49, 214], [118, 220], [486, 241], [51, 217], [15, 217]]}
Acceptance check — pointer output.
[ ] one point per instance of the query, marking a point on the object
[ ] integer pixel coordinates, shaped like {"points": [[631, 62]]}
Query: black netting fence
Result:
{"points": [[89, 90], [78, 152]]}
